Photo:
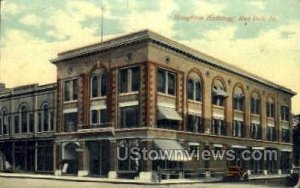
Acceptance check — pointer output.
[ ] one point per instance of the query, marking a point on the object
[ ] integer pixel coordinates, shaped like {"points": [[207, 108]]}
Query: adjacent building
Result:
{"points": [[144, 90]]}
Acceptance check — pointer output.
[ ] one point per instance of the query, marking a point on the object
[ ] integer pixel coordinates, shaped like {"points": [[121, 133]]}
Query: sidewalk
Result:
{"points": [[131, 181]]}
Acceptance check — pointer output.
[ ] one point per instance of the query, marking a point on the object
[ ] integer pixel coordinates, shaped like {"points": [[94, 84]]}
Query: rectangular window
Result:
{"points": [[285, 135], [166, 82], [135, 81], [219, 127], [237, 129], [194, 123], [123, 81], [129, 117], [103, 116], [17, 124], [285, 113], [40, 122], [31, 123], [271, 110], [70, 90], [271, 133], [51, 121], [94, 116], [255, 106], [171, 83], [70, 122], [129, 80]]}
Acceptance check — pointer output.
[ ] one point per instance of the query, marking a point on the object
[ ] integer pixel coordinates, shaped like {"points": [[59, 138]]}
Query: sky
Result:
{"points": [[259, 36]]}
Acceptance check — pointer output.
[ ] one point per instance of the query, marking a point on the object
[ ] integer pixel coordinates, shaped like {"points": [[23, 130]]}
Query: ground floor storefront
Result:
{"points": [[34, 156], [140, 158]]}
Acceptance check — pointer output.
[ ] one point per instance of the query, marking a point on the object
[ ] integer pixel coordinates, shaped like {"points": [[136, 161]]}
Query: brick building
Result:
{"points": [[144, 90]]}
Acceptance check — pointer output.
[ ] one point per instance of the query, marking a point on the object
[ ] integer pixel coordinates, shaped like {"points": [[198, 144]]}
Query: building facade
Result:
{"points": [[146, 91], [27, 121]]}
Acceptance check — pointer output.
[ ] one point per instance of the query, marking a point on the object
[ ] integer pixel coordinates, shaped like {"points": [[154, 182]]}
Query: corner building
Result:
{"points": [[145, 90]]}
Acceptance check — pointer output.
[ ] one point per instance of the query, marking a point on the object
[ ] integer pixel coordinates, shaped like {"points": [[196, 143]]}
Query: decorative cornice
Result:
{"points": [[158, 39]]}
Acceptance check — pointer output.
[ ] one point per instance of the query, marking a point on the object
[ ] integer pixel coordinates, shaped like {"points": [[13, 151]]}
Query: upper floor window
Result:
{"points": [[129, 116], [255, 104], [218, 127], [285, 113], [238, 99], [70, 122], [24, 116], [98, 84], [271, 133], [195, 124], [166, 82], [270, 108], [255, 131], [129, 80], [45, 118], [194, 90], [98, 117], [238, 128], [70, 90], [218, 93], [5, 122], [285, 135]]}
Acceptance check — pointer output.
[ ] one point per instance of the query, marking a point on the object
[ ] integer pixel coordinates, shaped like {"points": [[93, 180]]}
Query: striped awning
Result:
{"points": [[171, 150], [168, 113]]}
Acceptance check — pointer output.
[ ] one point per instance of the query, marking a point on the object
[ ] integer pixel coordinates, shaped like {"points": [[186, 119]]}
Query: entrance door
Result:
{"points": [[70, 159], [99, 158]]}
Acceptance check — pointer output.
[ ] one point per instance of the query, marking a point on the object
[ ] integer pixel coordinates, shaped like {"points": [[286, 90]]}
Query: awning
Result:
{"points": [[219, 92], [171, 150], [258, 148], [168, 113]]}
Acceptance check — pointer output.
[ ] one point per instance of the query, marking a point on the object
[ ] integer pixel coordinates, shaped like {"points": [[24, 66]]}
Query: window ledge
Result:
{"points": [[70, 102], [219, 107], [129, 93], [256, 115], [239, 111], [97, 98], [166, 95], [194, 101]]}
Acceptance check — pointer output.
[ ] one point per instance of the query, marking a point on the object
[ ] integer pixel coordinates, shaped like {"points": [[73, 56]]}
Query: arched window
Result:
{"points": [[218, 93], [194, 89], [255, 103], [98, 83], [24, 118], [270, 108], [238, 99]]}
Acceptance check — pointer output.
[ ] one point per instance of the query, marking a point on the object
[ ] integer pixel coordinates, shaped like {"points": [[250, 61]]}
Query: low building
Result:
{"points": [[145, 91]]}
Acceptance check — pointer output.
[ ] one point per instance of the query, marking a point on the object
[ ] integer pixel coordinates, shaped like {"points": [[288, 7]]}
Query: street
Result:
{"points": [[43, 183]]}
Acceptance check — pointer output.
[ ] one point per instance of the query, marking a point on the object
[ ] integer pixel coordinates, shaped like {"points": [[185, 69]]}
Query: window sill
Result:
{"points": [[166, 95], [70, 102], [194, 101], [97, 98], [239, 111], [129, 93], [219, 107], [256, 115]]}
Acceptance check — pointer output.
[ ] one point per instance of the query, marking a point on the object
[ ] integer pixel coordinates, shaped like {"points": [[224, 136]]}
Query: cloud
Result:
{"points": [[31, 20], [258, 4], [155, 19], [10, 8]]}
